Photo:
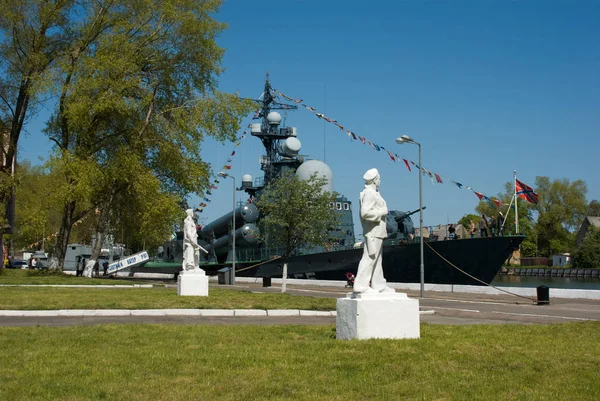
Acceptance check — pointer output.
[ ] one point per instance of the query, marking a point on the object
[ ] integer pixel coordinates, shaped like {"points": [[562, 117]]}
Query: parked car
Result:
{"points": [[17, 264]]}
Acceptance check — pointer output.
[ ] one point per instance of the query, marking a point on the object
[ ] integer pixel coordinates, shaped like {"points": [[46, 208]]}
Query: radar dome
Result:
{"points": [[310, 167], [246, 181], [290, 147], [274, 118]]}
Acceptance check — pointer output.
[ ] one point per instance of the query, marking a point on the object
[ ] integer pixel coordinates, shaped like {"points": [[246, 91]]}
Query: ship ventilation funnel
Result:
{"points": [[290, 147]]}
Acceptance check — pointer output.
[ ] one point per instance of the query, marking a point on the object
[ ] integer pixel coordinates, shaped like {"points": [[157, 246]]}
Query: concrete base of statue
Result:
{"points": [[192, 283], [377, 315]]}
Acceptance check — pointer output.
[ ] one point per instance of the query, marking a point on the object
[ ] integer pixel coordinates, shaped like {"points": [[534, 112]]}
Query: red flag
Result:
{"points": [[498, 203], [227, 167], [407, 165], [391, 156], [479, 195], [438, 178], [526, 192]]}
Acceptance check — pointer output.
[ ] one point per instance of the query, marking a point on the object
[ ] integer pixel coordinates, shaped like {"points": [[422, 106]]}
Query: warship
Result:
{"points": [[238, 231]]}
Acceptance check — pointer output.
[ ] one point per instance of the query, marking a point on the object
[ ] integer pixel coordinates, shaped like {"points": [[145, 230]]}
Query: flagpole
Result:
{"points": [[507, 212], [516, 208]]}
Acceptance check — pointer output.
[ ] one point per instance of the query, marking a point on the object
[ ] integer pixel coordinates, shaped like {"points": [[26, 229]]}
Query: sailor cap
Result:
{"points": [[371, 174]]}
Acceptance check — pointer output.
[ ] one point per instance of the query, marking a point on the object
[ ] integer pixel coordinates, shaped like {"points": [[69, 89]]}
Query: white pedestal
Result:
{"points": [[378, 315], [192, 283]]}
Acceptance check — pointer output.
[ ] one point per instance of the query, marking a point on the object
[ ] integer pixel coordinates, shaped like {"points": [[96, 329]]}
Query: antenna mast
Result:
{"points": [[271, 134]]}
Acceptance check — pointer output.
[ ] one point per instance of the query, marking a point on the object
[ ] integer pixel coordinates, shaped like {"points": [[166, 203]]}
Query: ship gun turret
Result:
{"points": [[399, 225]]}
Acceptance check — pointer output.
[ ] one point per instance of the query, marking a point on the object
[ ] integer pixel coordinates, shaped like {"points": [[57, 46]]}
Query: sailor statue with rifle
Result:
{"points": [[191, 249]]}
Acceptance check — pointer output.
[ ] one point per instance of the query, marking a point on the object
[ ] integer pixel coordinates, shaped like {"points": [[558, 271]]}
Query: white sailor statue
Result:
{"points": [[191, 248], [373, 212]]}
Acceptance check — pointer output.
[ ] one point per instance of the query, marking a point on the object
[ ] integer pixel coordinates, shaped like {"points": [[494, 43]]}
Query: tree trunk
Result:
{"points": [[98, 244], [284, 276], [62, 240]]}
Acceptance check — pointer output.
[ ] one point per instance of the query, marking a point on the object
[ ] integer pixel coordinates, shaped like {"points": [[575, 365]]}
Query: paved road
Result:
{"points": [[437, 308], [463, 308]]}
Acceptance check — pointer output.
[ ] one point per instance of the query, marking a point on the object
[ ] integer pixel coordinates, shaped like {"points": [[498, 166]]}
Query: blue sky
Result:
{"points": [[487, 87]]}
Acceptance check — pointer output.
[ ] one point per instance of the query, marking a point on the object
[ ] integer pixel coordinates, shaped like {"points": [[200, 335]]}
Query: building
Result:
{"points": [[561, 259], [587, 222]]}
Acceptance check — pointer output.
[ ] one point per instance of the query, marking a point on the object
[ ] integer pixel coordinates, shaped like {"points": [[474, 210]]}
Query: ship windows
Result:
{"points": [[338, 205], [346, 206]]}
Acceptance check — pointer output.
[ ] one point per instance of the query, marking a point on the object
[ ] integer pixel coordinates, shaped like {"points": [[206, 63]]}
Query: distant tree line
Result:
{"points": [[552, 224]]}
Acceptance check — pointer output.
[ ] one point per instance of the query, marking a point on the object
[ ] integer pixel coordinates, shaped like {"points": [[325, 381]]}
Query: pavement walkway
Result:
{"points": [[436, 308]]}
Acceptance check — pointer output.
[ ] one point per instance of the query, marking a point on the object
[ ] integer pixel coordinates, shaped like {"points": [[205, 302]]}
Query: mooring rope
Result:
{"points": [[476, 279], [258, 264]]}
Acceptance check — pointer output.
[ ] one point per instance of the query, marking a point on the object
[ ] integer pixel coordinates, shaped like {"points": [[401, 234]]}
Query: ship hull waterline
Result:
{"points": [[479, 257]]}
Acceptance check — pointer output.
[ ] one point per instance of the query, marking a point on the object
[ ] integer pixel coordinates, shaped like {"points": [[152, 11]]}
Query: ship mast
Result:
{"points": [[271, 134]]}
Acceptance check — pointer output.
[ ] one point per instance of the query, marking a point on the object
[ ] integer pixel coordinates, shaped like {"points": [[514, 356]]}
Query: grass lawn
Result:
{"points": [[159, 297], [189, 362], [18, 276], [41, 298]]}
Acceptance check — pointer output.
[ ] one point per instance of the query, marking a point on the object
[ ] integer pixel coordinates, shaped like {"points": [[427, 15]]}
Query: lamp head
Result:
{"points": [[403, 139]]}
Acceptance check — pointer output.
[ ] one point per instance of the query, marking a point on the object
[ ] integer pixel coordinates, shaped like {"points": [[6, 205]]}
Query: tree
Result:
{"points": [[561, 208], [137, 94], [466, 220], [33, 34], [587, 256], [593, 208], [37, 214], [296, 213]]}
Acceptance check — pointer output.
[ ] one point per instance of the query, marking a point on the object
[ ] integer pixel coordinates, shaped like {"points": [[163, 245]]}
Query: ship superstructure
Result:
{"points": [[282, 148]]}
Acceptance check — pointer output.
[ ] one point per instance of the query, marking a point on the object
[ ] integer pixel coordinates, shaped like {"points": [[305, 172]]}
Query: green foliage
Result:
{"points": [[466, 220], [588, 254], [136, 90], [296, 213], [37, 210], [561, 208], [593, 208], [529, 246]]}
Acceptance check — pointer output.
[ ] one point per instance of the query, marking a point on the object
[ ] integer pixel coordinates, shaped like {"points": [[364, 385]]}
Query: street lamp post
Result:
{"points": [[406, 139], [225, 175]]}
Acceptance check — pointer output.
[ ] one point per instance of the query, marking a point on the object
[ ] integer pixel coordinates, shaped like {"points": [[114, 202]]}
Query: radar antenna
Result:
{"points": [[270, 133]]}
